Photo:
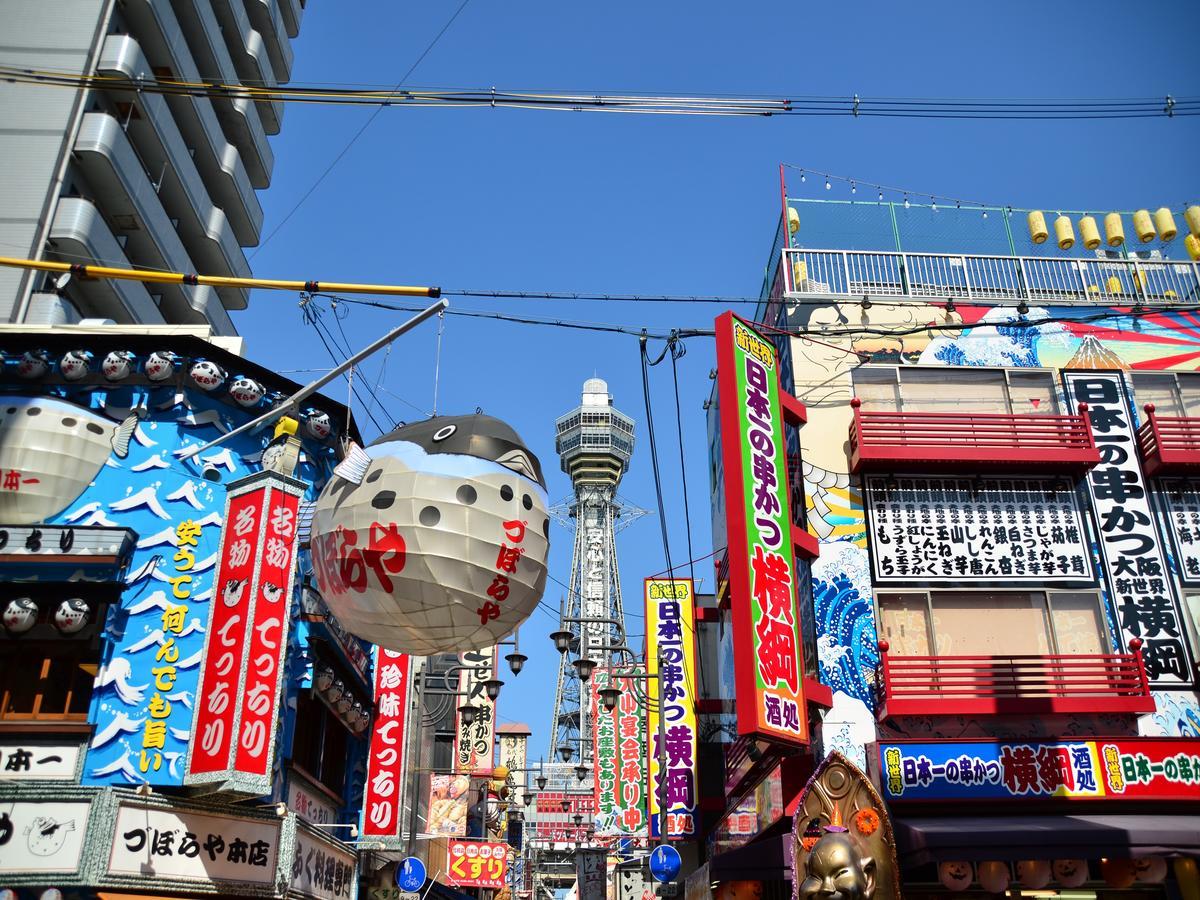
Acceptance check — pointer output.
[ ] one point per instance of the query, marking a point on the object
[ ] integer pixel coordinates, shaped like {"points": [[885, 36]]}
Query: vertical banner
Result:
{"points": [[671, 634], [514, 753], [385, 762], [1135, 567], [619, 755], [763, 580], [240, 677], [474, 743], [591, 874]]}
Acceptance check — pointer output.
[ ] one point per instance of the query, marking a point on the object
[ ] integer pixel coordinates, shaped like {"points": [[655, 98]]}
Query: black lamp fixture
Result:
{"points": [[492, 687], [541, 782], [577, 819], [467, 712], [565, 752], [566, 806], [562, 640], [516, 661], [1022, 308], [585, 667], [609, 697], [527, 798], [581, 772]]}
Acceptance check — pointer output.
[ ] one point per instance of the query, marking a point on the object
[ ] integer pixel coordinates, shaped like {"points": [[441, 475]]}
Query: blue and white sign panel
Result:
{"points": [[410, 874], [665, 863]]}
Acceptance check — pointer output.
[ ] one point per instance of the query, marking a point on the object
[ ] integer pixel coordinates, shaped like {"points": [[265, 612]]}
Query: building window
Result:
{"points": [[48, 681], [952, 389], [1172, 394], [319, 744], [1019, 623]]}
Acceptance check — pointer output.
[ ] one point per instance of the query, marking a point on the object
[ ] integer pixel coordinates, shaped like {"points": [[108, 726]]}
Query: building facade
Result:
{"points": [[127, 176]]}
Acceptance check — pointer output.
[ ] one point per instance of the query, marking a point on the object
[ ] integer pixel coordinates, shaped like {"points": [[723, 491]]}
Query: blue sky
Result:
{"points": [[523, 200]]}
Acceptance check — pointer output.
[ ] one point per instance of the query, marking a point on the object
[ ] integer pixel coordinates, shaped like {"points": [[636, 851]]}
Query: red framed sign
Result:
{"points": [[478, 863], [385, 775], [762, 573]]}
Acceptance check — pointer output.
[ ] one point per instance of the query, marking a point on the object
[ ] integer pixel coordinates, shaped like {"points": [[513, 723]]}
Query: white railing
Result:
{"points": [[855, 273]]}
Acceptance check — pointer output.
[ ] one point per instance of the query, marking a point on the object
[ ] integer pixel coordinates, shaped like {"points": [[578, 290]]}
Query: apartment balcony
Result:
{"points": [[269, 22], [250, 58], [1012, 685], [1170, 444], [922, 441], [292, 11], [936, 277]]}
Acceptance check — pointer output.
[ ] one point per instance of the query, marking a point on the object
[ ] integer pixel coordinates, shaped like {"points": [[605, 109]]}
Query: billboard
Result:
{"points": [[619, 755], [449, 798], [671, 635], [762, 574], [481, 864], [385, 759], [246, 638], [474, 743]]}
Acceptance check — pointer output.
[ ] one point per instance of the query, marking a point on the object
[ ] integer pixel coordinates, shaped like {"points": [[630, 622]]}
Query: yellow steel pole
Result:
{"points": [[272, 284]]}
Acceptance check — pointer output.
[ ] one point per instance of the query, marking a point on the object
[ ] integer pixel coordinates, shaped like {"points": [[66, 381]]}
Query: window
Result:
{"points": [[319, 743], [956, 390], [1172, 394], [47, 680], [992, 623]]}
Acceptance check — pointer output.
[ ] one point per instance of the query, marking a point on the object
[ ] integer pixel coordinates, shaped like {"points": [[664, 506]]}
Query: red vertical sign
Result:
{"points": [[381, 794]]}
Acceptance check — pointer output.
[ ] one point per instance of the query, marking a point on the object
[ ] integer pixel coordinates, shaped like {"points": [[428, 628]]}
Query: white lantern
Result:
{"points": [[317, 424], [75, 364], [993, 876], [1117, 873], [434, 538], [117, 365], [1071, 873], [20, 615], [344, 704], [1034, 874], [71, 615], [246, 391], [207, 375], [33, 364], [335, 692], [1150, 869], [955, 876], [160, 365], [323, 679]]}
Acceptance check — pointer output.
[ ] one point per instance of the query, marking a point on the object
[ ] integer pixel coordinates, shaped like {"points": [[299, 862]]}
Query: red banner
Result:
{"points": [[478, 863], [233, 733], [381, 794]]}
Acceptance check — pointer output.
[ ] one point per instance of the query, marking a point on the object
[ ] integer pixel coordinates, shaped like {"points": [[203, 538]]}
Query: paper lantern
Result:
{"points": [[1187, 873], [317, 424], [1089, 233], [75, 364], [793, 220], [160, 365], [1070, 873], [1191, 216], [1114, 230], [1117, 873], [206, 374], [434, 538], [956, 876], [1192, 244], [1143, 226], [1037, 227], [1064, 233], [1150, 869], [20, 615], [71, 615], [993, 876], [33, 364], [246, 391], [117, 365], [1164, 222], [1034, 874]]}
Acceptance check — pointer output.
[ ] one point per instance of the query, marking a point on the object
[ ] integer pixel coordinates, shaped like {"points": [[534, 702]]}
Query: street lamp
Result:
{"points": [[467, 712], [541, 782], [609, 697], [577, 819], [581, 772], [565, 752], [492, 687], [585, 667], [562, 640], [527, 798], [566, 805], [516, 661]]}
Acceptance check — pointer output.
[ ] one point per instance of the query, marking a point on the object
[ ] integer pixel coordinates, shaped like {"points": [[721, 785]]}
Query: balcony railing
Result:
{"points": [[920, 440], [854, 273], [1012, 685], [1170, 444]]}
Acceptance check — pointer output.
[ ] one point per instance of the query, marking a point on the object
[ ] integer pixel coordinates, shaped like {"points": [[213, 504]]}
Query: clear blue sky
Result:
{"points": [[524, 200]]}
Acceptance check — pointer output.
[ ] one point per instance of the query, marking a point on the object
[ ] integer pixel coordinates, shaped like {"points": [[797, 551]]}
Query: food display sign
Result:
{"points": [[1100, 769], [986, 531], [381, 793], [763, 580], [481, 864], [448, 796], [619, 757]]}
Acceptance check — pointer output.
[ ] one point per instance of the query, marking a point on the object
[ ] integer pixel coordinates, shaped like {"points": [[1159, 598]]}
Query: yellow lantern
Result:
{"points": [[1064, 233], [1143, 227], [1192, 243], [793, 220], [1188, 876], [799, 274], [1037, 227], [1114, 285], [1114, 231], [500, 773], [1165, 223], [1089, 233], [1192, 216]]}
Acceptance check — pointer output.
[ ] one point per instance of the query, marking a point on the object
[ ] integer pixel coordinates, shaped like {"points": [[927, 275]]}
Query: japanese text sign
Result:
{"points": [[321, 870], [478, 863], [989, 531], [763, 580], [591, 873], [1100, 769], [474, 742], [1181, 498], [671, 638], [619, 755], [240, 676], [381, 793], [553, 824], [1135, 567]]}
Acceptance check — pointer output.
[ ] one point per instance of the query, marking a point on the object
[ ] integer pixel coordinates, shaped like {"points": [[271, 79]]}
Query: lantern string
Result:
{"points": [[437, 359]]}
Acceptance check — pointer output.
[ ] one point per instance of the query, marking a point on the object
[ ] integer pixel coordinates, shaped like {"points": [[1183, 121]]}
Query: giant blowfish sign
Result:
{"points": [[434, 538]]}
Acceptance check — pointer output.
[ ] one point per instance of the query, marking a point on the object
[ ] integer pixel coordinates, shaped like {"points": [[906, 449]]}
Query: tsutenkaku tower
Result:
{"points": [[594, 442]]}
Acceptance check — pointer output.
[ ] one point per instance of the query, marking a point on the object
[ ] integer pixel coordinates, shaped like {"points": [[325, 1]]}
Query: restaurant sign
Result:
{"points": [[478, 863], [1101, 769], [619, 757], [763, 579]]}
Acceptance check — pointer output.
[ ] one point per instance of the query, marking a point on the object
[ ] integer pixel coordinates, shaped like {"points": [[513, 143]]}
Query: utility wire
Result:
{"points": [[677, 351]]}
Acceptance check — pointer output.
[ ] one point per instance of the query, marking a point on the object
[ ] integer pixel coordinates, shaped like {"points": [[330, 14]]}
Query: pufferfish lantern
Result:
{"points": [[118, 365], [207, 375], [246, 391], [160, 365], [434, 538]]}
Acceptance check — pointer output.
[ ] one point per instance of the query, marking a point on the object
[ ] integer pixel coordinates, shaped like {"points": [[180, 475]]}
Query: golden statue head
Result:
{"points": [[837, 869]]}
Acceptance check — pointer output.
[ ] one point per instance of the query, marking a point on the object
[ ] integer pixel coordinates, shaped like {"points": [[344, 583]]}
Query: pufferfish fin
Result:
{"points": [[123, 434], [519, 462], [354, 467]]}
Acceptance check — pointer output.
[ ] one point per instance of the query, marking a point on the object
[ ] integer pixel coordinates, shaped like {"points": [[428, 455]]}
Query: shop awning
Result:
{"points": [[769, 859], [921, 840]]}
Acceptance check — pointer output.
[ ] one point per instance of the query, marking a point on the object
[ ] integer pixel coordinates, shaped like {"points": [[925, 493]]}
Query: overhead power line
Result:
{"points": [[636, 102]]}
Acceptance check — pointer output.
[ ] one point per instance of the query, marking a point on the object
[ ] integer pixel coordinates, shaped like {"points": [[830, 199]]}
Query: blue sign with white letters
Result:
{"points": [[410, 874], [664, 863]]}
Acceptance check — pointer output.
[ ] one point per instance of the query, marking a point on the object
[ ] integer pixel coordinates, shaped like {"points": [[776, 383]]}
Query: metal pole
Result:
{"points": [[662, 757], [293, 401]]}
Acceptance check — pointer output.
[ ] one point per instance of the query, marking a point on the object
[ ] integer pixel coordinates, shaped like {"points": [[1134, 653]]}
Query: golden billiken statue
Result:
{"points": [[837, 869]]}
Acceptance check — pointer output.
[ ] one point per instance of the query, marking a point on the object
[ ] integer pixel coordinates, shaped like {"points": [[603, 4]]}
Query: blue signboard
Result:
{"points": [[664, 863], [410, 874]]}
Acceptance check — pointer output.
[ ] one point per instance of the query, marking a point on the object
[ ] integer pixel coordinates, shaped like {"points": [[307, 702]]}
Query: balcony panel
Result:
{"points": [[1012, 685], [268, 21], [250, 58], [917, 441], [1170, 445]]}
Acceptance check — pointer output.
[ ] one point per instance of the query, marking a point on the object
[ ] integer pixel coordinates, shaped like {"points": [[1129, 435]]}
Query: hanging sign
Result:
{"points": [[1181, 497], [1136, 572], [474, 743], [988, 531], [381, 793], [25, 761], [448, 801], [322, 871], [240, 678], [619, 756], [1101, 769], [762, 574], [478, 863], [671, 635], [591, 873]]}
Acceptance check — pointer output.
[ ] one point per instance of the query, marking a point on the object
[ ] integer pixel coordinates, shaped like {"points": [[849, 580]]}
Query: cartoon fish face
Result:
{"points": [[231, 594], [71, 615], [75, 364], [452, 515], [20, 615], [55, 448], [160, 365], [246, 391], [207, 374], [33, 364], [117, 365]]}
